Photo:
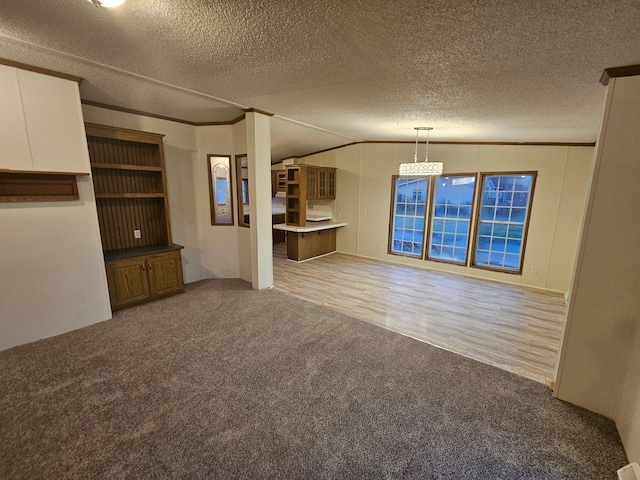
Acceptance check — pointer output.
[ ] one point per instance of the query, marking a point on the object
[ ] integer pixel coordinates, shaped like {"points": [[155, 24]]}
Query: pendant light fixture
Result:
{"points": [[420, 169], [107, 3]]}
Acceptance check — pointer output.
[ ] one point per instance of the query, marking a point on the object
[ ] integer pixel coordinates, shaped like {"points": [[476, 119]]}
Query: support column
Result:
{"points": [[259, 158]]}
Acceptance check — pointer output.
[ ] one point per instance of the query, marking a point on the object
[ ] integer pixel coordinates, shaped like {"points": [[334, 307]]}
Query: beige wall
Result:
{"points": [[219, 243], [364, 195], [599, 364], [52, 276]]}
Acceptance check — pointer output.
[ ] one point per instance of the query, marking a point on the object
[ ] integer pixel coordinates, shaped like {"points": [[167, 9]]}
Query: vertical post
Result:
{"points": [[259, 158]]}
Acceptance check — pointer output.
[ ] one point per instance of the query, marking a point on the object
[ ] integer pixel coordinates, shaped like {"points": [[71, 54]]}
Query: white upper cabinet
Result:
{"points": [[46, 111], [14, 143]]}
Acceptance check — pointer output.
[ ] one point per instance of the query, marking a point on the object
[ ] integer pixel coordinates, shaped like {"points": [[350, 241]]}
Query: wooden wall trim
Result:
{"points": [[125, 134], [626, 71], [44, 71], [134, 111], [534, 144], [230, 122], [160, 117], [255, 110]]}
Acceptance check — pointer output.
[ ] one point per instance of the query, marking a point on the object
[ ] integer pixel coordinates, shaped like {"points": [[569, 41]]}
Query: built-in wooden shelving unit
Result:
{"points": [[133, 213]]}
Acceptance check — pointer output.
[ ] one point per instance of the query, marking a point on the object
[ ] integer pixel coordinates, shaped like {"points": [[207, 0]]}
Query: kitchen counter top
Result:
{"points": [[309, 228]]}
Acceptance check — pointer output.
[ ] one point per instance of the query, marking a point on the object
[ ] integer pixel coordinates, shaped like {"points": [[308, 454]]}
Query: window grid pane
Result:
{"points": [[504, 206], [451, 216], [408, 216]]}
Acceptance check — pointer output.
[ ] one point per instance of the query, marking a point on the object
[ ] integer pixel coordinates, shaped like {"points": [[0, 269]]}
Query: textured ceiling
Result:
{"points": [[337, 71]]}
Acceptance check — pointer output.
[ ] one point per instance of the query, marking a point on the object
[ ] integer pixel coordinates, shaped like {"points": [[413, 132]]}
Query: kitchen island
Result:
{"points": [[304, 243]]}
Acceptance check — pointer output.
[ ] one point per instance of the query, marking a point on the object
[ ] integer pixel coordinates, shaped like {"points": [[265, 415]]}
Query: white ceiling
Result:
{"points": [[337, 71]]}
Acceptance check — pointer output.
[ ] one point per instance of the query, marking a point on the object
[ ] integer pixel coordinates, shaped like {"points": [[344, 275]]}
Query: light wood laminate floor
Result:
{"points": [[509, 326]]}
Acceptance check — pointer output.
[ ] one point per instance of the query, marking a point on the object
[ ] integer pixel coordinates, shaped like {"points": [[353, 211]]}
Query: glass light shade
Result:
{"points": [[109, 3], [421, 169]]}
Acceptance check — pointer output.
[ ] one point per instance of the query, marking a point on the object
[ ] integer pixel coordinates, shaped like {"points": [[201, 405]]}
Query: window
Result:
{"points": [[451, 218], [242, 175], [408, 214], [499, 225], [502, 220], [220, 190]]}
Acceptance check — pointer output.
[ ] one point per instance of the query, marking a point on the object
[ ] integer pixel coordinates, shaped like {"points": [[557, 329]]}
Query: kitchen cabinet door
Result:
{"points": [[312, 183], [165, 273], [55, 127], [14, 143], [127, 281]]}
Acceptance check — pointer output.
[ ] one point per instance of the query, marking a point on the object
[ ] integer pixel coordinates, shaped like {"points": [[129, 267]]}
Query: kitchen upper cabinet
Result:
{"points": [[41, 119], [326, 183], [312, 183], [53, 117], [14, 143], [321, 183]]}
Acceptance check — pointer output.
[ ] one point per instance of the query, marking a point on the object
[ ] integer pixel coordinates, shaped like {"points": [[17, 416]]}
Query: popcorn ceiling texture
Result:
{"points": [[483, 70]]}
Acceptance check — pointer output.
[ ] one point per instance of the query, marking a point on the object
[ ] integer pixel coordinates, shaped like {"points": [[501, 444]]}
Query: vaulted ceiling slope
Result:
{"points": [[337, 71]]}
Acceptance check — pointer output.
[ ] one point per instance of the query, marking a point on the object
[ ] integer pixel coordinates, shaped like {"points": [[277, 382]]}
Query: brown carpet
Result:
{"points": [[227, 382]]}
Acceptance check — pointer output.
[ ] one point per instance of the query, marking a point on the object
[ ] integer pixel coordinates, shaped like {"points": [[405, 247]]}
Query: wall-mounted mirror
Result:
{"points": [[220, 189], [242, 175]]}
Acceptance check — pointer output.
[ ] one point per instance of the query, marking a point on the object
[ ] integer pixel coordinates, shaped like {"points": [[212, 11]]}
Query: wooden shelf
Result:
{"points": [[116, 166], [37, 187], [129, 195]]}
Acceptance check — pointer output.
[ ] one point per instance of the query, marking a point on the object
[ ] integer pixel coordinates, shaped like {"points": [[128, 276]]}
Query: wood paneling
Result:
{"points": [[119, 217], [130, 187]]}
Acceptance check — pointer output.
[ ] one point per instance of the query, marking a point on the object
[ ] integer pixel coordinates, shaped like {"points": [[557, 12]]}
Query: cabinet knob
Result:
{"points": [[142, 267], [148, 266]]}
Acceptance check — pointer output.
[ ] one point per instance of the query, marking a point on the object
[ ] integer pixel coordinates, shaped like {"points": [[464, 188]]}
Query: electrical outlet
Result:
{"points": [[534, 270], [137, 234]]}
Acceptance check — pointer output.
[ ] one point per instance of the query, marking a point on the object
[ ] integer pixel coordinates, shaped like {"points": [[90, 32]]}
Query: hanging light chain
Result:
{"points": [[415, 153], [426, 152]]}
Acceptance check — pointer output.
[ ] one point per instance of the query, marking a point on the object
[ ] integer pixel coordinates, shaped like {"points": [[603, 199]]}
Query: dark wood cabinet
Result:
{"points": [[130, 187], [307, 182], [312, 183], [321, 183], [142, 278], [278, 235], [305, 245]]}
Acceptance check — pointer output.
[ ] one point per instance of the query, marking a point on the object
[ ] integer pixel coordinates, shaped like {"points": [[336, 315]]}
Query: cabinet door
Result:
{"points": [[127, 281], [165, 273], [55, 126], [322, 183], [312, 183], [331, 183], [14, 144]]}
